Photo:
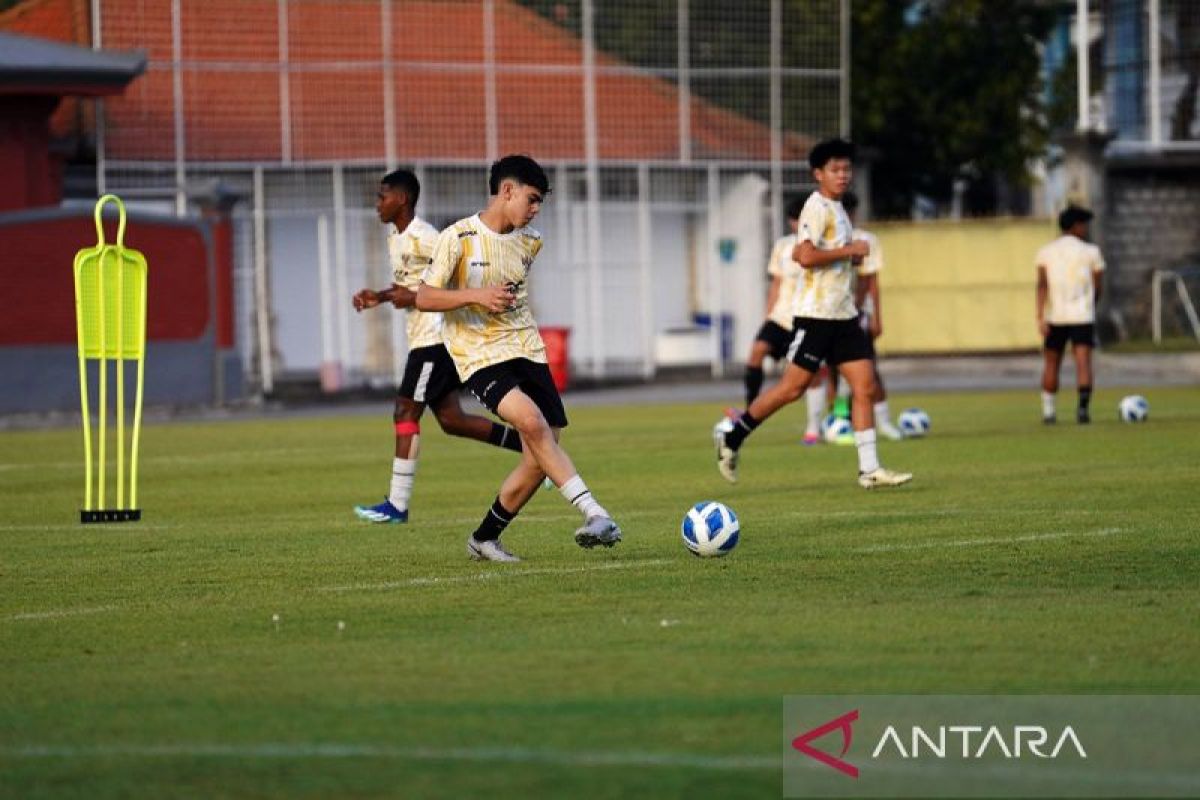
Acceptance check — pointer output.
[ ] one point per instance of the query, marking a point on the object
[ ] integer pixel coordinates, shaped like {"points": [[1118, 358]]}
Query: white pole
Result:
{"points": [[713, 264], [684, 59], [262, 303], [646, 275], [844, 82], [325, 273], [592, 154], [177, 93], [285, 84], [340, 267], [490, 110], [389, 85], [97, 43], [776, 89], [1154, 112], [1082, 67]]}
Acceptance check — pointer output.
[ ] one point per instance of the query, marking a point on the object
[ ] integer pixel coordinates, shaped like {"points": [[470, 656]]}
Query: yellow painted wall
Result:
{"points": [[960, 285]]}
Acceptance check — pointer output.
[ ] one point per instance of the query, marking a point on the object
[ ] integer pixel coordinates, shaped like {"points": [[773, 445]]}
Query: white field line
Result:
{"points": [[64, 612], [1033, 537], [509, 755], [492, 575]]}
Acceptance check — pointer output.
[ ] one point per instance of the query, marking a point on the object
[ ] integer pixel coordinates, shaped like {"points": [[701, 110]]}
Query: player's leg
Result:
{"points": [[520, 485], [787, 389], [1082, 350], [1052, 353], [456, 422], [753, 379], [814, 399], [851, 355], [406, 419], [883, 414]]}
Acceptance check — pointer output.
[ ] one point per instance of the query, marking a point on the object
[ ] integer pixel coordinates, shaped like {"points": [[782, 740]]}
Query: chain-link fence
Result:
{"points": [[672, 129]]}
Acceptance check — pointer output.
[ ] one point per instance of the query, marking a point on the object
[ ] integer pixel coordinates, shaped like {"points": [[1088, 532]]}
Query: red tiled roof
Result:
{"points": [[61, 21], [336, 87]]}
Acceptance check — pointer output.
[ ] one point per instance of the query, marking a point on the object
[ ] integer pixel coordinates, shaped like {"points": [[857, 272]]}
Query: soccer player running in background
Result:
{"points": [[826, 327], [775, 334], [429, 375], [478, 278], [1069, 272]]}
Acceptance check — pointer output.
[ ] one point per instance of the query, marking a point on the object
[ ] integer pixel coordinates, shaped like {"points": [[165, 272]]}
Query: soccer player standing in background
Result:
{"points": [[478, 278], [429, 374], [826, 327], [1069, 272]]}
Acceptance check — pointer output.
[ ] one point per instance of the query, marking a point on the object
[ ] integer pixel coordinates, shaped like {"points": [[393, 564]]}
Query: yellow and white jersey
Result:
{"points": [[871, 265], [825, 292], [788, 271], [1069, 263], [470, 255], [411, 252]]}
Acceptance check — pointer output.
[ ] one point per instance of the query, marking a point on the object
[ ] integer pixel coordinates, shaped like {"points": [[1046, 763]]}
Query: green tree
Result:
{"points": [[948, 91]]}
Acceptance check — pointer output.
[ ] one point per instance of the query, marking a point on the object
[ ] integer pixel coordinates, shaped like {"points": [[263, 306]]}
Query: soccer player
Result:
{"points": [[1069, 272], [429, 375], [478, 279], [826, 326], [775, 334]]}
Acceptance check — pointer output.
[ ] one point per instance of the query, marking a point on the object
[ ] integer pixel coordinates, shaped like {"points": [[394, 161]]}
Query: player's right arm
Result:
{"points": [[396, 294], [1043, 291], [434, 295]]}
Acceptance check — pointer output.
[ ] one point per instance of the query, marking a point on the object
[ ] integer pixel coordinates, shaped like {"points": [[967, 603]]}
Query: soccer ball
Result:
{"points": [[710, 529], [834, 427], [1134, 408], [914, 422]]}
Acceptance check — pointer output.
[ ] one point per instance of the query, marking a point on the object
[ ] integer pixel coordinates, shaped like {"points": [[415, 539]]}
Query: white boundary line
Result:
{"points": [[1033, 537], [64, 612], [498, 574], [510, 755]]}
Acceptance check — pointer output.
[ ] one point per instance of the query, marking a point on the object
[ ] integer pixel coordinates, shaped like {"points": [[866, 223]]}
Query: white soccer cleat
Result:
{"points": [[890, 431], [489, 550], [727, 457], [597, 531], [883, 477]]}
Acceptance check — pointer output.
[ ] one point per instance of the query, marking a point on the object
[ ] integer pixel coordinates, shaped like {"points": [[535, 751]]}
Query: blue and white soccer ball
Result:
{"points": [[1134, 408], [710, 529], [914, 422], [834, 427]]}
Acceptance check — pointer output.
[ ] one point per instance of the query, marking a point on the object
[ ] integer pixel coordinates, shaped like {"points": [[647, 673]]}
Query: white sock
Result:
{"points": [[882, 415], [868, 459], [843, 389], [404, 471], [1047, 404], [815, 398], [578, 495]]}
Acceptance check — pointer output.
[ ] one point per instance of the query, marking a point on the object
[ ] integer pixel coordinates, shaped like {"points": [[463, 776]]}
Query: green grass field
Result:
{"points": [[143, 660]]}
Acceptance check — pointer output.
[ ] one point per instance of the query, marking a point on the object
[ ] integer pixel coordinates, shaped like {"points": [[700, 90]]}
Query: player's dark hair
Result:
{"points": [[794, 207], [522, 169], [1071, 216], [826, 151], [406, 181], [849, 202]]}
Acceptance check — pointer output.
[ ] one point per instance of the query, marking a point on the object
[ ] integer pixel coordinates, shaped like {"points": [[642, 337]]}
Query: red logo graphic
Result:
{"points": [[843, 723]]}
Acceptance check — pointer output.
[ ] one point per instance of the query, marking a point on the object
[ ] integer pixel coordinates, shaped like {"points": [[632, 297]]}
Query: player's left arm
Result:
{"points": [[1043, 291], [1098, 276], [876, 323], [773, 292]]}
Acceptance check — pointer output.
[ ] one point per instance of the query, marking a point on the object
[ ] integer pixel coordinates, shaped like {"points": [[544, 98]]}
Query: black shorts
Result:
{"points": [[490, 384], [777, 338], [833, 341], [429, 375], [1059, 335]]}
